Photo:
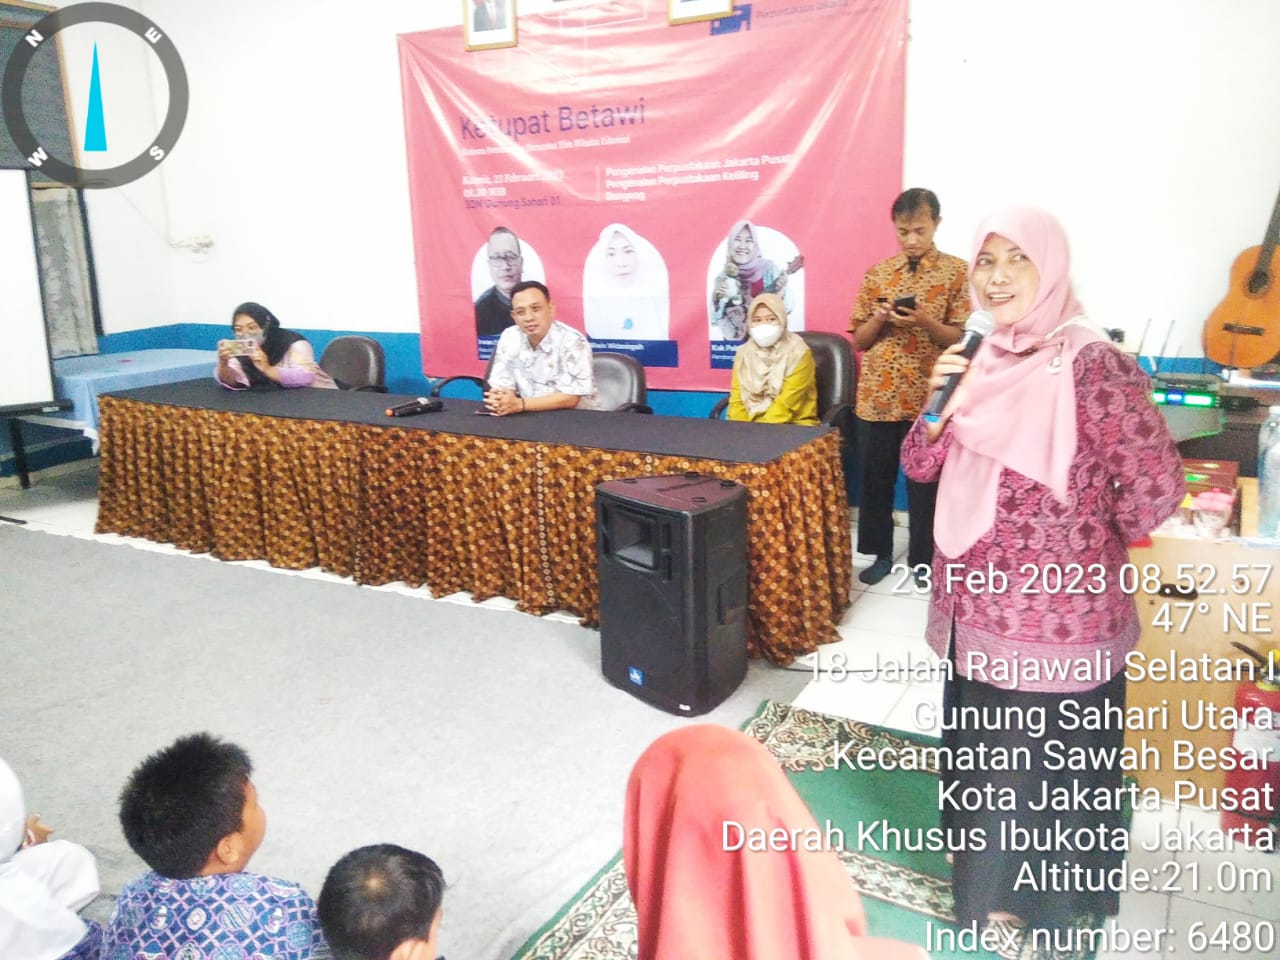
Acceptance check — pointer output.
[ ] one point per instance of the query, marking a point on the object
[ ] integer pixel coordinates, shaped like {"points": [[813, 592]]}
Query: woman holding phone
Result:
{"points": [[264, 354]]}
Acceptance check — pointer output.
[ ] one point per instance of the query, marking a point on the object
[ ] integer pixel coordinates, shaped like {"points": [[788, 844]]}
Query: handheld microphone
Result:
{"points": [[412, 407], [979, 324]]}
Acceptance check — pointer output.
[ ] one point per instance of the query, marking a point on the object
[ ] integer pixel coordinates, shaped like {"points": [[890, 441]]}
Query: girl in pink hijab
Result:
{"points": [[697, 900], [1051, 459]]}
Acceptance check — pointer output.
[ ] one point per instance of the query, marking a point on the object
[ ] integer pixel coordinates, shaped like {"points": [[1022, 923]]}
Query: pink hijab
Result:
{"points": [[694, 899], [1020, 412]]}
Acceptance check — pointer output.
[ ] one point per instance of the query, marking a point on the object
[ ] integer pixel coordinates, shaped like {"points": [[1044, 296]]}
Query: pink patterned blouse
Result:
{"points": [[1062, 623]]}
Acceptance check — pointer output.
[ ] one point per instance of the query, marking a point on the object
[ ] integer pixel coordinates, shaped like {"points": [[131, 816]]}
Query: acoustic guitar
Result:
{"points": [[1244, 329]]}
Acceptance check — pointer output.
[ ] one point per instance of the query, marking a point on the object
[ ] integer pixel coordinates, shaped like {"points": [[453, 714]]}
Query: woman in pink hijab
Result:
{"points": [[1051, 459], [697, 898]]}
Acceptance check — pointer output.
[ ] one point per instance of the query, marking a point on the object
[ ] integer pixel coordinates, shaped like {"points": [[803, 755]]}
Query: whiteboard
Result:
{"points": [[26, 373]]}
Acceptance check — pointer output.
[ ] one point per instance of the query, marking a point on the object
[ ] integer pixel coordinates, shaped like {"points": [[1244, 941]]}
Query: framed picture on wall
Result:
{"points": [[488, 23], [687, 11]]}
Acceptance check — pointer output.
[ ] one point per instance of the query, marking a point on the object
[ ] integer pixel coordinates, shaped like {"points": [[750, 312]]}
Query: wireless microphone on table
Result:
{"points": [[979, 324], [412, 407]]}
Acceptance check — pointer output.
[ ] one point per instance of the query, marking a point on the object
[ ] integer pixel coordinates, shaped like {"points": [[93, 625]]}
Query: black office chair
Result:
{"points": [[620, 382], [481, 382], [836, 377], [356, 363]]}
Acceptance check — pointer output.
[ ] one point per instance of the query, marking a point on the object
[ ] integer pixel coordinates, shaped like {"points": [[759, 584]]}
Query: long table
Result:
{"points": [[82, 380], [498, 506]]}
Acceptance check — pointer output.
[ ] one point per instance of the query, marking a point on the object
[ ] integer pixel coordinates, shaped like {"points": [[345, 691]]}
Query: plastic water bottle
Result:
{"points": [[1269, 476]]}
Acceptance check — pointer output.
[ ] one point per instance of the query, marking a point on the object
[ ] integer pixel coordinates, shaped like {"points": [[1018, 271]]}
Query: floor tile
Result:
{"points": [[34, 508], [881, 613], [1240, 878], [77, 518], [1141, 914], [1246, 938], [863, 649], [918, 710], [852, 698], [1147, 840]]}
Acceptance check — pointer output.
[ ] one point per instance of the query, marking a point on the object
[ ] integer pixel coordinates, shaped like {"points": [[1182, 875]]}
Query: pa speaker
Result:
{"points": [[673, 589]]}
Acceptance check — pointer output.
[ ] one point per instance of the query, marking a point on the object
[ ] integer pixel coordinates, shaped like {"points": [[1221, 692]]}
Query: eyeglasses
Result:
{"points": [[510, 259]]}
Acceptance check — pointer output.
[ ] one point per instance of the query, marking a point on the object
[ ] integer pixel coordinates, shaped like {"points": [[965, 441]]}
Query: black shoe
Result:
{"points": [[922, 581], [877, 571]]}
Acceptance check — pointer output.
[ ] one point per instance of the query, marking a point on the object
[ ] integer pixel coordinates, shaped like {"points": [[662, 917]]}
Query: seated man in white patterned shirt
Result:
{"points": [[539, 363]]}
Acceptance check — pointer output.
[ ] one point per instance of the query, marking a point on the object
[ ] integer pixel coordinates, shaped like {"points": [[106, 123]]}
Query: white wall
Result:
{"points": [[1146, 125], [291, 161], [132, 259]]}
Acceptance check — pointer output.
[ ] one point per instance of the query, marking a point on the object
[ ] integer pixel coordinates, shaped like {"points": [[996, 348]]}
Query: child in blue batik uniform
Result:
{"points": [[191, 812]]}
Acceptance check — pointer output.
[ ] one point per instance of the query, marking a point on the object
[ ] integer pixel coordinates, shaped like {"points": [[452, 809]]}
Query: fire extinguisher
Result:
{"points": [[1255, 811]]}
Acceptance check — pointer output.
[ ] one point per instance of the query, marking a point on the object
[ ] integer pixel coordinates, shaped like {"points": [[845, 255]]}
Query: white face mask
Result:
{"points": [[766, 334]]}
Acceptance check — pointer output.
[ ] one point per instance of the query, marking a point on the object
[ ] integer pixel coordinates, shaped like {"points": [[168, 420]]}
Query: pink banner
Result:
{"points": [[655, 177]]}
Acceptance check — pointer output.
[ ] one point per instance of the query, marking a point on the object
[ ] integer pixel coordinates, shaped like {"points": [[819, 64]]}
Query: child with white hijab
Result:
{"points": [[42, 884]]}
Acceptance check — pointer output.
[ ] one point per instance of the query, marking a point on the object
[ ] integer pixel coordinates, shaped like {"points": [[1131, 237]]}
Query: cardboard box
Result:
{"points": [[1180, 625]]}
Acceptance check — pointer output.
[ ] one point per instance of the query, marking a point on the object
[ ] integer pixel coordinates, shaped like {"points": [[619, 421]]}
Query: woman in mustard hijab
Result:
{"points": [[773, 372]]}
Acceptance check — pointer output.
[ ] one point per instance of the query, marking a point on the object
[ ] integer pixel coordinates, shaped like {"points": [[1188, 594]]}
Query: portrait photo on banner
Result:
{"points": [[626, 291], [487, 24], [689, 11], [502, 261], [753, 259]]}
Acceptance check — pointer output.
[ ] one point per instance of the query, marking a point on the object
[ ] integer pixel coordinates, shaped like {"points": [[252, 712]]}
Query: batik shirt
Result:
{"points": [[1125, 479], [230, 916], [89, 947], [560, 363], [893, 379]]}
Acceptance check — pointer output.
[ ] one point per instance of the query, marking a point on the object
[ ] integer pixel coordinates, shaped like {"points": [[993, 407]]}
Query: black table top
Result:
{"points": [[691, 437]]}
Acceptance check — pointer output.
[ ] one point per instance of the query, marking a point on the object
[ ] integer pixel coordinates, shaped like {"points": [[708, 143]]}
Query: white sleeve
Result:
{"points": [[501, 376]]}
